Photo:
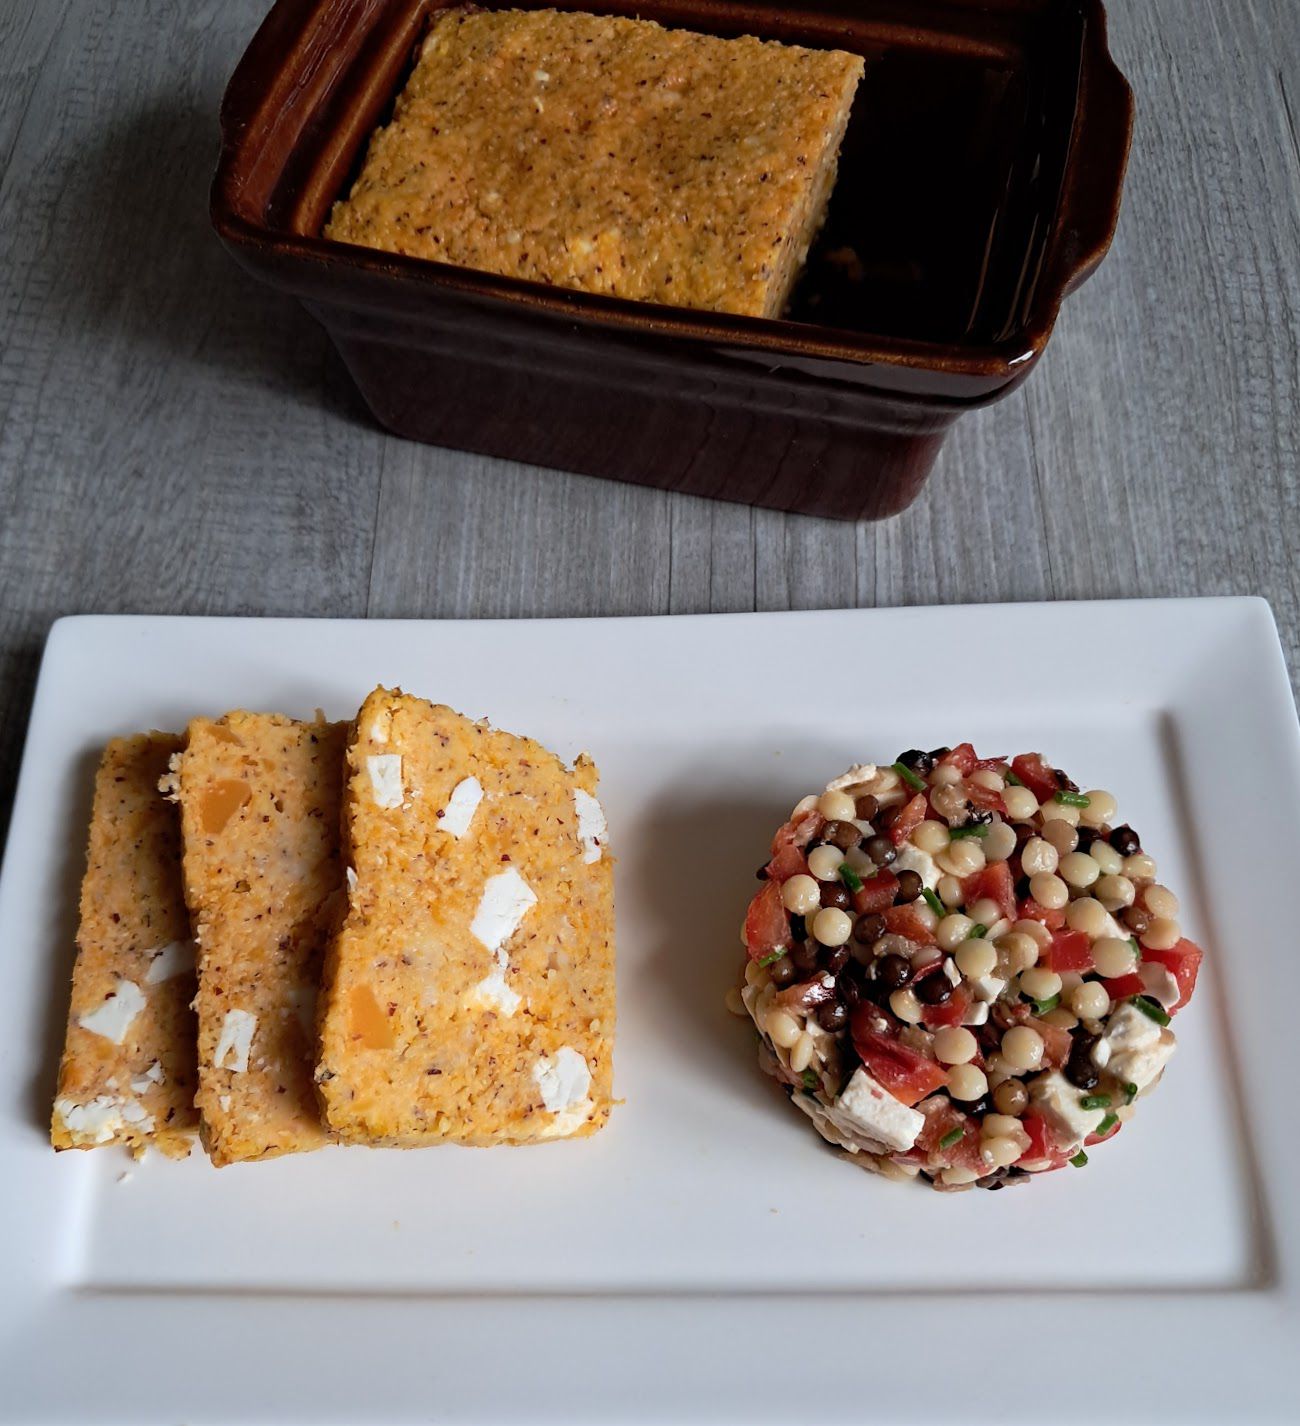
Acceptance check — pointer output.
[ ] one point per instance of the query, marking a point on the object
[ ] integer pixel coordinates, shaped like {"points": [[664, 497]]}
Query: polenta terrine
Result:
{"points": [[128, 1068], [610, 155], [469, 994], [259, 797]]}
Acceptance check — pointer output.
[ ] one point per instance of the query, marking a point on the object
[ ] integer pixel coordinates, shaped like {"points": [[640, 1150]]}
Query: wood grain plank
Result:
{"points": [[461, 536], [1166, 433], [171, 439]]}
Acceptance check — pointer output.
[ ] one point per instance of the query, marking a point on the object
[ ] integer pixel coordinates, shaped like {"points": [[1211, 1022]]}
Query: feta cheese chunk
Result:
{"points": [[563, 1079], [859, 775], [113, 1018], [461, 806], [175, 958], [385, 771], [1139, 1048], [492, 992], [870, 1107], [507, 898], [912, 858], [1059, 1102], [1160, 983], [235, 1042], [96, 1123], [591, 825], [987, 987]]}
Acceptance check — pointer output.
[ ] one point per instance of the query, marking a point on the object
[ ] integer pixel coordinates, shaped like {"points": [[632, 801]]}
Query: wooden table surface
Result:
{"points": [[175, 439]]}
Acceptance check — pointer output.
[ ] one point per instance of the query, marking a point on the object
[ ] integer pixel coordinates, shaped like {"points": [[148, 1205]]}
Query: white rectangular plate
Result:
{"points": [[704, 1258]]}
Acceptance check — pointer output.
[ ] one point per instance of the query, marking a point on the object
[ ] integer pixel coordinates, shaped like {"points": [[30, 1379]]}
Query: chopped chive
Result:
{"points": [[977, 930], [1130, 1093], [1107, 1124], [810, 1079], [1137, 950], [850, 878], [1152, 1009], [1013, 780], [1079, 1159], [773, 956], [909, 777], [1045, 1007], [1071, 799], [933, 902], [950, 1138], [977, 829], [1095, 1101]]}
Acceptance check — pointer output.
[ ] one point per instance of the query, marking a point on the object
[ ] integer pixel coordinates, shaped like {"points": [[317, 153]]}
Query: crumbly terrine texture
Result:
{"points": [[128, 1069], [259, 797], [469, 995], [610, 155]]}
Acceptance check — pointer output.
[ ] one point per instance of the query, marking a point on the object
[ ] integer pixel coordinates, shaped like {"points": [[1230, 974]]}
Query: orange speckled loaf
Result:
{"points": [[469, 995], [610, 155], [259, 797], [128, 1069]]}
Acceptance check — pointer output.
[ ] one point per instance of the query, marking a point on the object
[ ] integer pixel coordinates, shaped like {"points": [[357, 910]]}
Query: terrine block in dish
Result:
{"points": [[469, 994], [964, 968], [610, 155], [259, 797], [128, 1069]]}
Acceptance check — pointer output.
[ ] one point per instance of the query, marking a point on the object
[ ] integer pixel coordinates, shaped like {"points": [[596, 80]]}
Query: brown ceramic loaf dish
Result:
{"points": [[608, 155], [978, 183]]}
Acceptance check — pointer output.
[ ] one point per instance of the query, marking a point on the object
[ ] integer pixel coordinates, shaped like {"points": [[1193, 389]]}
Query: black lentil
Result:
{"points": [[1125, 840], [893, 971], [832, 1016], [841, 834], [910, 886], [934, 989], [881, 850]]}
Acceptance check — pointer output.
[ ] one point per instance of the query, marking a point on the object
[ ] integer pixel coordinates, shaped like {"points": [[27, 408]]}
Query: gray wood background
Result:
{"points": [[174, 439]]}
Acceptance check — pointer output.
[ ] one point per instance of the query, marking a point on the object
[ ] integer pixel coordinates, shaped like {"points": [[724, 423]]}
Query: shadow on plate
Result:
{"points": [[694, 881]]}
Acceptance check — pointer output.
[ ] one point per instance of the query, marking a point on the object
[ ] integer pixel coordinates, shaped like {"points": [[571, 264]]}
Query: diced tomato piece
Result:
{"points": [[980, 796], [788, 845], [1056, 1042], [1030, 910], [1036, 773], [951, 1012], [907, 821], [995, 883], [767, 926], [877, 894], [990, 764], [1123, 986], [787, 862], [798, 831], [962, 758], [1184, 962], [1069, 951], [906, 921], [942, 1118], [905, 1073], [1041, 1144]]}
